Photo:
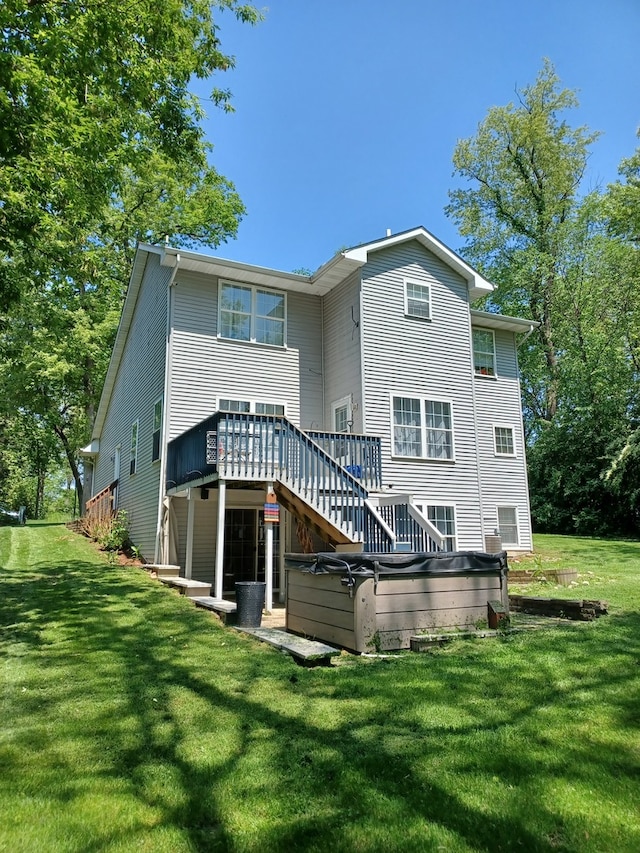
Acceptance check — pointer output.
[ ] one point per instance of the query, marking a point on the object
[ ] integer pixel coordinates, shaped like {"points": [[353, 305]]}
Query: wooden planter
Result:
{"points": [[373, 609]]}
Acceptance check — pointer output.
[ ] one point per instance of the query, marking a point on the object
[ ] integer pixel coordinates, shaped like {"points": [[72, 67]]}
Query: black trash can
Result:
{"points": [[250, 603]]}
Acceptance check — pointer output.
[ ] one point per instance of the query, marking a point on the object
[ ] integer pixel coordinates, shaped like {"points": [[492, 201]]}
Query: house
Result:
{"points": [[247, 412]]}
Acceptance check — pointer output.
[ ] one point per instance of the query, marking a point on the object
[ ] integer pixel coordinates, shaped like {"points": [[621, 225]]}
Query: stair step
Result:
{"points": [[163, 570], [226, 610], [187, 587], [309, 652]]}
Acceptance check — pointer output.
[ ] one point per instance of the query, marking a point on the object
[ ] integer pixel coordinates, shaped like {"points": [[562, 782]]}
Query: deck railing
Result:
{"points": [[359, 454], [259, 448], [103, 504]]}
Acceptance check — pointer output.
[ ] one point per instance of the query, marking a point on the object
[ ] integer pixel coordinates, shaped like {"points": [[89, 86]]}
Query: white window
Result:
{"points": [[133, 457], [251, 314], [341, 415], [417, 299], [508, 525], [503, 440], [484, 352], [157, 429], [444, 518], [247, 406], [422, 428]]}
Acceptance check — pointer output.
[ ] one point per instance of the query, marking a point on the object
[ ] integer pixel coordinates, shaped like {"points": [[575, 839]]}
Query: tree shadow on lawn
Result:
{"points": [[223, 739]]}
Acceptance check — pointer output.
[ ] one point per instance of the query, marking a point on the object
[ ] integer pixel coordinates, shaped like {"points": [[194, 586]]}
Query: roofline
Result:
{"points": [[518, 325]]}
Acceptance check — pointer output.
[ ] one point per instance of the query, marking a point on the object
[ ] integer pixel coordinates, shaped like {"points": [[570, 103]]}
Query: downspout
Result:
{"points": [[166, 408]]}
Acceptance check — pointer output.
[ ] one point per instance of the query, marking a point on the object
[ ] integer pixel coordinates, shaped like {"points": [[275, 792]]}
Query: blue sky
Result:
{"points": [[347, 112]]}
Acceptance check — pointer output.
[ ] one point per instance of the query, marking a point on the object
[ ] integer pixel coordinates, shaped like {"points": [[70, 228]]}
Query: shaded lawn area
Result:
{"points": [[133, 721]]}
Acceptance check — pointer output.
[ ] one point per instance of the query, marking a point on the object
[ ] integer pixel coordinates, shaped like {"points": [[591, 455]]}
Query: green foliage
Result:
{"points": [[111, 532], [569, 262], [94, 159], [126, 700]]}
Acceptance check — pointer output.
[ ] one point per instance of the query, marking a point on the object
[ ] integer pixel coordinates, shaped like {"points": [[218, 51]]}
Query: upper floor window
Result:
{"points": [[417, 299], [157, 428], [251, 314], [133, 456], [484, 352], [422, 428], [503, 441]]}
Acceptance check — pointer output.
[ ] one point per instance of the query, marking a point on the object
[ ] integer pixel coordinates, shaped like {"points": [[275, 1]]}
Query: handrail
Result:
{"points": [[259, 448], [359, 454], [102, 504]]}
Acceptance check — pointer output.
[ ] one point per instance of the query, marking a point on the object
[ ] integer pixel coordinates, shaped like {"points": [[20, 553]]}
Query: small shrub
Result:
{"points": [[110, 532]]}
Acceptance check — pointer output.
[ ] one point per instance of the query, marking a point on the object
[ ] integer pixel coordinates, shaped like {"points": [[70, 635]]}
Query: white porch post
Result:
{"points": [[222, 489], [268, 560], [282, 548], [166, 533], [191, 513]]}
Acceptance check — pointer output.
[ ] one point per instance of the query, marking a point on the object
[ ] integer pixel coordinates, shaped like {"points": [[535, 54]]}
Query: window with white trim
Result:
{"points": [[422, 428], [444, 518], [508, 525], [484, 352], [157, 428], [503, 440], [341, 415], [247, 406], [133, 456], [248, 313], [417, 299]]}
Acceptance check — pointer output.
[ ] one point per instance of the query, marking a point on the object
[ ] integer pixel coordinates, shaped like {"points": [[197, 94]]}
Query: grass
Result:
{"points": [[132, 721]]}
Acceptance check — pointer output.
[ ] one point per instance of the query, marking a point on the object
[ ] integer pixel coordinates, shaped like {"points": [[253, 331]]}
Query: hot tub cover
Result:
{"points": [[399, 563]]}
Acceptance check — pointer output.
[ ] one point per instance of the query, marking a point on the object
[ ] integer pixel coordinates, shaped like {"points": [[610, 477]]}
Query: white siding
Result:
{"points": [[429, 359], [139, 383], [504, 479], [342, 371], [205, 367]]}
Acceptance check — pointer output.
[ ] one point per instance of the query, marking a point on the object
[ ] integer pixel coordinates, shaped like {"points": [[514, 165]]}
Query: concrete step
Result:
{"points": [[187, 587], [308, 652], [164, 571], [226, 610]]}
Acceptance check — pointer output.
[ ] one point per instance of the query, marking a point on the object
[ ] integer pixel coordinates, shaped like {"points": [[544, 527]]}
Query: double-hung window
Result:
{"points": [[249, 313], [422, 428], [503, 440], [133, 456], [484, 352], [444, 518], [157, 428], [417, 299], [508, 525]]}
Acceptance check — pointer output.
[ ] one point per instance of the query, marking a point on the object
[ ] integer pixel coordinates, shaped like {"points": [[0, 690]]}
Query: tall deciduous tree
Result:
{"points": [[101, 145], [556, 259], [525, 165]]}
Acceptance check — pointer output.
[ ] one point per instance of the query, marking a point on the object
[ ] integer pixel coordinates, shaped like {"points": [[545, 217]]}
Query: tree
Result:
{"points": [[563, 259], [100, 146], [89, 94], [526, 165]]}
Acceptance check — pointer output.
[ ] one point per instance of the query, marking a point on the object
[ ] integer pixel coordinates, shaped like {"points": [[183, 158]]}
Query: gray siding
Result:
{"points": [[139, 383], [427, 359], [205, 367], [504, 479], [342, 357]]}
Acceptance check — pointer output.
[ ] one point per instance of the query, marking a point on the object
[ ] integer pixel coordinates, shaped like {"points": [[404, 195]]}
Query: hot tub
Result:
{"points": [[374, 602]]}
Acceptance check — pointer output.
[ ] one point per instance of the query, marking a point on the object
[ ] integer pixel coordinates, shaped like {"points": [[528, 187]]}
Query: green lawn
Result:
{"points": [[132, 721]]}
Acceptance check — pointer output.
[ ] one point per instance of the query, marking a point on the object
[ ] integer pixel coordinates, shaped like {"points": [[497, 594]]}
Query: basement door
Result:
{"points": [[244, 547]]}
